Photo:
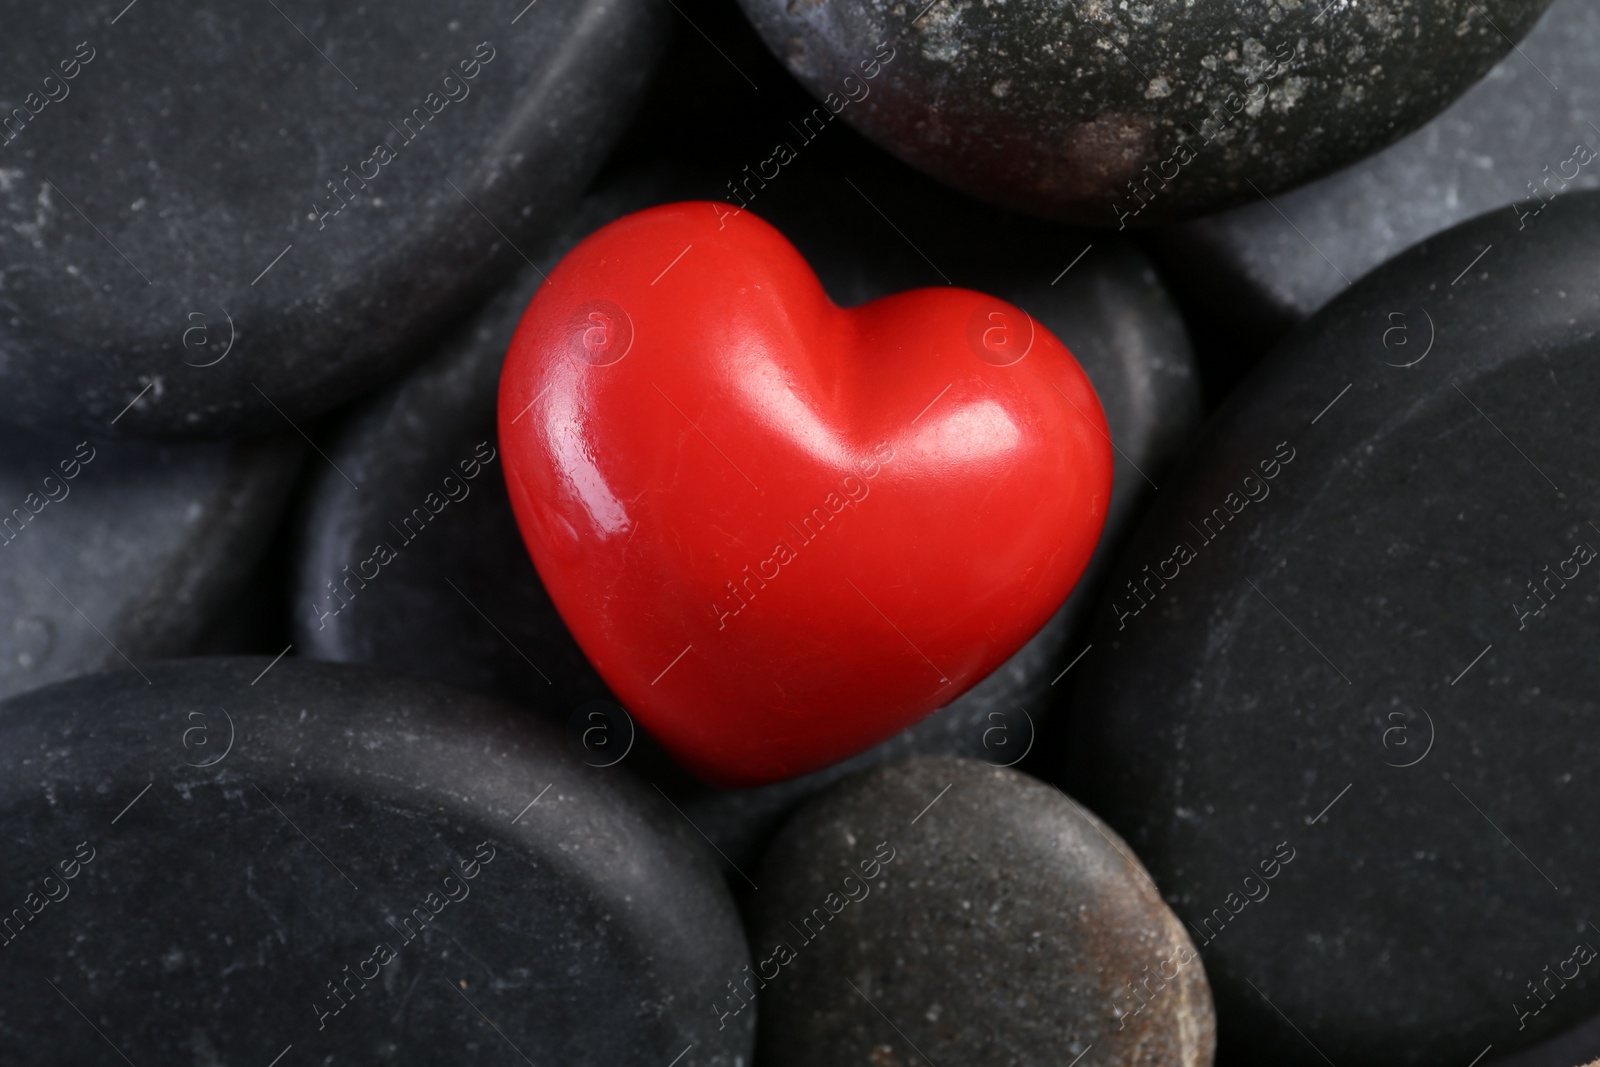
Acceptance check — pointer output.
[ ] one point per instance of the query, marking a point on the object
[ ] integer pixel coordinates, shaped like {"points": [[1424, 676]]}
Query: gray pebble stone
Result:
{"points": [[1256, 271], [939, 910], [1126, 114]]}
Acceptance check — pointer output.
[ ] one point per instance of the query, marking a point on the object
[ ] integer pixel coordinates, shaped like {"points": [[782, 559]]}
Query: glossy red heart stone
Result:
{"points": [[781, 530]]}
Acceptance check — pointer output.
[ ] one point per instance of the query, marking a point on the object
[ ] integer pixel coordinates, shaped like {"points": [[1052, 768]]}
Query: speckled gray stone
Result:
{"points": [[330, 865], [1254, 272], [249, 213], [1385, 658], [940, 910], [1059, 108], [462, 603], [117, 548]]}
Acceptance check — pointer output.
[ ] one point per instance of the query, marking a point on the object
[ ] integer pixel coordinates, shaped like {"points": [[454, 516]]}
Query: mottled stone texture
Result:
{"points": [[312, 189], [1388, 662], [1059, 108], [1522, 135], [366, 868], [942, 910]]}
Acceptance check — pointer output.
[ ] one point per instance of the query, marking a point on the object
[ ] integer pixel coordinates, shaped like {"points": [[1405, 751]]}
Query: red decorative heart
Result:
{"points": [[781, 530]]}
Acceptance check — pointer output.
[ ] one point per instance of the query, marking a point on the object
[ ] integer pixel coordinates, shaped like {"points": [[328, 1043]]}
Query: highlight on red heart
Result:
{"points": [[783, 530]]}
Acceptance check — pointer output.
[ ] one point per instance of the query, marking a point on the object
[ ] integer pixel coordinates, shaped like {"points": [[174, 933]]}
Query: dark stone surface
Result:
{"points": [[1357, 663], [463, 603], [943, 910], [1246, 276], [142, 211], [1058, 109], [458, 599], [1579, 1045], [140, 553], [248, 837], [717, 100]]}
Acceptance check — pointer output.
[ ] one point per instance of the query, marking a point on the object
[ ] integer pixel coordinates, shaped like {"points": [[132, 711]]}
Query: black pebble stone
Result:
{"points": [[1344, 665], [462, 603], [142, 553], [943, 911], [1249, 275], [250, 836], [1058, 109], [163, 235]]}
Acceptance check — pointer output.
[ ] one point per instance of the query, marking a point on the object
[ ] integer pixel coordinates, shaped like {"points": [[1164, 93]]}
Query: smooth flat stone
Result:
{"points": [[1249, 275], [1362, 621], [1127, 115], [462, 602], [116, 551], [940, 910], [233, 217], [329, 864]]}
